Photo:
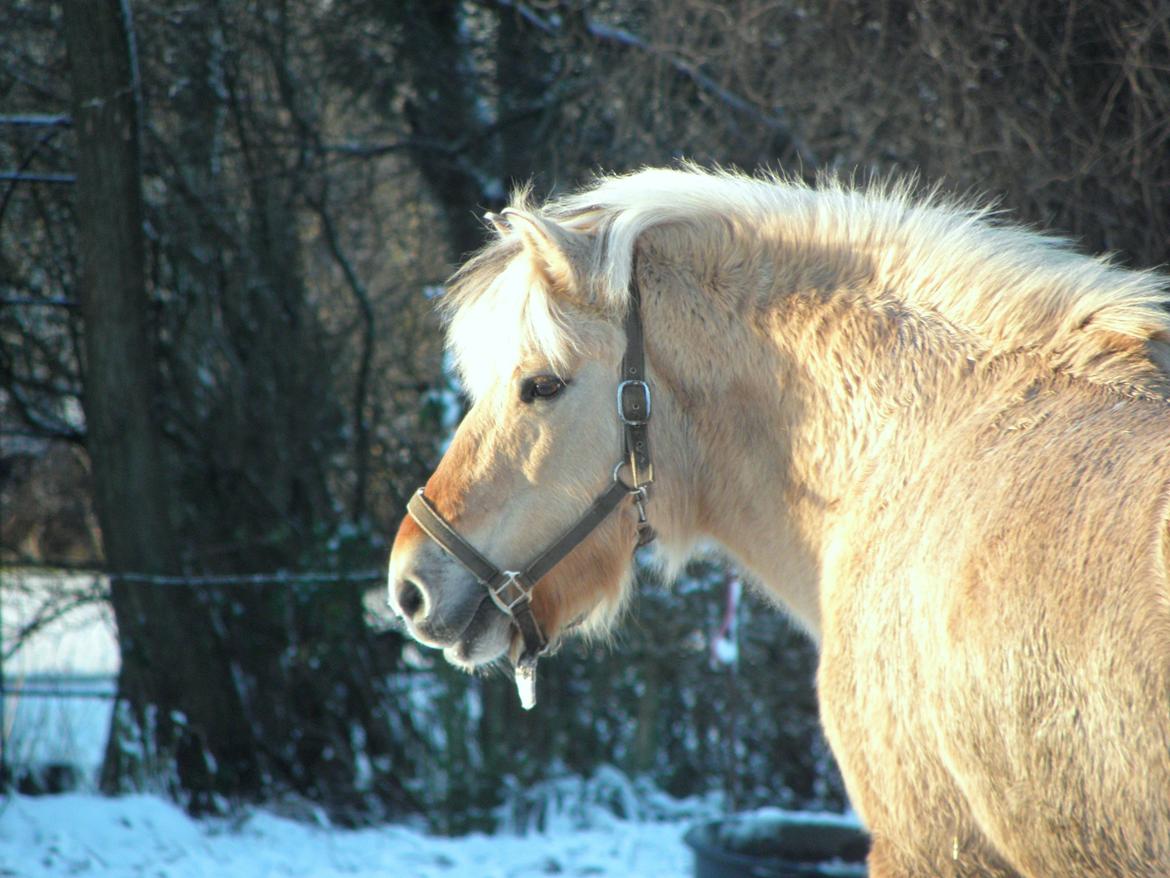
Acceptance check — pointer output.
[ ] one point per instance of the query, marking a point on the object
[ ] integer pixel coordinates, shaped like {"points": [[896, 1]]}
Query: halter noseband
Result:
{"points": [[511, 590]]}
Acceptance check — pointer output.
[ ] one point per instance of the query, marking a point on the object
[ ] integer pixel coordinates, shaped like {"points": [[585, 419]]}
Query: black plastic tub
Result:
{"points": [[779, 844]]}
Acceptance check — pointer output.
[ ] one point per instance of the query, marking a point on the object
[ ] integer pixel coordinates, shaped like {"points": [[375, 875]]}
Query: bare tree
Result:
{"points": [[120, 391]]}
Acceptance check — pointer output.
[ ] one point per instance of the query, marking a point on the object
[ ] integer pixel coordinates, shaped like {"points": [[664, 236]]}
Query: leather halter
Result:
{"points": [[511, 590]]}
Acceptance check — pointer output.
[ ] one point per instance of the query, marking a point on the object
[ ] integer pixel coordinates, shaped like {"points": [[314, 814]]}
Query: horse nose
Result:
{"points": [[410, 599]]}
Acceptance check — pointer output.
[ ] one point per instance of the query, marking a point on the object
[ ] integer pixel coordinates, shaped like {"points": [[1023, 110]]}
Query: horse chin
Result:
{"points": [[487, 637]]}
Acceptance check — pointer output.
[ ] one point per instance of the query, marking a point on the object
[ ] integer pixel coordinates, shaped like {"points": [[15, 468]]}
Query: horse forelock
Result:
{"points": [[498, 312]]}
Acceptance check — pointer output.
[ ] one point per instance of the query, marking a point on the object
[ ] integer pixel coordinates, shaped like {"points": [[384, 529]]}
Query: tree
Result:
{"points": [[120, 381], [233, 690]]}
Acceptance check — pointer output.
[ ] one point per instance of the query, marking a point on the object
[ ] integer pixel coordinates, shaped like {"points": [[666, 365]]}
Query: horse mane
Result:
{"points": [[1004, 286]]}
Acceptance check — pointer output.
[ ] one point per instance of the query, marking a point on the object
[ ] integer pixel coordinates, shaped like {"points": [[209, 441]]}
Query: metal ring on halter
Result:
{"points": [[638, 487]]}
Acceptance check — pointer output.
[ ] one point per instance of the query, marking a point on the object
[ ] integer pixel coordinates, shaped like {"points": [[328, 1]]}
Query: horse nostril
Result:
{"points": [[410, 599]]}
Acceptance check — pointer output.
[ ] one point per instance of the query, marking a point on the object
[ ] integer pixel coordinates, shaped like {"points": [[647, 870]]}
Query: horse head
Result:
{"points": [[529, 522]]}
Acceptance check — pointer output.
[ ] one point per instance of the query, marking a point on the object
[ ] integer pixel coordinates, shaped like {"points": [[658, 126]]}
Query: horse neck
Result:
{"points": [[783, 404]]}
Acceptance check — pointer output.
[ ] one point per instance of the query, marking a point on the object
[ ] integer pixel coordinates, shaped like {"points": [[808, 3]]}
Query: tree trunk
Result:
{"points": [[237, 691], [168, 701], [443, 120]]}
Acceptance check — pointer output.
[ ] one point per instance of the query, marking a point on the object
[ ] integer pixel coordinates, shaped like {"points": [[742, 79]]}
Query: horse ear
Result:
{"points": [[558, 253], [498, 223]]}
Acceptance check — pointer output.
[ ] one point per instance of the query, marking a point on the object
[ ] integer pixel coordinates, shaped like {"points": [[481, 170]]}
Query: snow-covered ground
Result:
{"points": [[83, 834], [87, 835], [564, 826]]}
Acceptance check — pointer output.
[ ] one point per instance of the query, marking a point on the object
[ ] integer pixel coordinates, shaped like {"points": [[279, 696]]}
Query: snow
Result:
{"points": [[81, 640], [141, 835], [48, 731], [75, 652], [603, 826]]}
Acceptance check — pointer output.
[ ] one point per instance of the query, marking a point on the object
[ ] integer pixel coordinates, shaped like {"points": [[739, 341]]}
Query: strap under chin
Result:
{"points": [[535, 643]]}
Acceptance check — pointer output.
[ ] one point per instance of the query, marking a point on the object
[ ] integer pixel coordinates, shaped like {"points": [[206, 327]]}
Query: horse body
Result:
{"points": [[994, 675], [943, 446], [987, 539]]}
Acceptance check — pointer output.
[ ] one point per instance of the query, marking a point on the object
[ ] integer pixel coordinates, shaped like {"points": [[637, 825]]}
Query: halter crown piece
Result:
{"points": [[511, 590]]}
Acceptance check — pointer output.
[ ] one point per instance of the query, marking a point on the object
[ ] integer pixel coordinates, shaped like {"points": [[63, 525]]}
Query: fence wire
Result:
{"points": [[275, 578], [22, 689]]}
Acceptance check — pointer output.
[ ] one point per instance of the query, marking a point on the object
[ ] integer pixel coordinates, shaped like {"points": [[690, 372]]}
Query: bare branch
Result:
{"points": [[56, 602], [37, 120], [777, 121], [22, 177], [32, 301], [361, 424], [44, 425]]}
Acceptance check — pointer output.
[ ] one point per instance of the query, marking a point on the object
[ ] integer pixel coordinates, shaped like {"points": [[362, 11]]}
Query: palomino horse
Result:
{"points": [[941, 442]]}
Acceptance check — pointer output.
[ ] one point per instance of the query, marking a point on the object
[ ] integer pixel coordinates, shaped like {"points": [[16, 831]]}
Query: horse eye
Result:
{"points": [[541, 387]]}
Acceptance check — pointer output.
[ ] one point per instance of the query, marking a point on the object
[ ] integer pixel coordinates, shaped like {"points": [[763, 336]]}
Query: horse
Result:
{"points": [[939, 440]]}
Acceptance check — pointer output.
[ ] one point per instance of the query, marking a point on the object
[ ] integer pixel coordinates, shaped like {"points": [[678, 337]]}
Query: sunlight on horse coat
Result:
{"points": [[940, 441]]}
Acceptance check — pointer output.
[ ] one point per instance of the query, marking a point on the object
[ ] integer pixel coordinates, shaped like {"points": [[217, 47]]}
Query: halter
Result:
{"points": [[511, 590]]}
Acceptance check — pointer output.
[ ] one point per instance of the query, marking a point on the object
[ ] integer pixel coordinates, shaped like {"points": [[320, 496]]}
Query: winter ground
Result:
{"points": [[82, 834], [70, 666], [141, 836]]}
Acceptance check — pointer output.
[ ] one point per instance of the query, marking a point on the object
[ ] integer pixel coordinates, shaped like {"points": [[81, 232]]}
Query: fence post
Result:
{"points": [[3, 699]]}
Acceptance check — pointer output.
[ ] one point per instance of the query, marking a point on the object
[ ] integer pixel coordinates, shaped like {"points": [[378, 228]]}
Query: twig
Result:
{"points": [[777, 120], [22, 177], [37, 120], [361, 424], [33, 301]]}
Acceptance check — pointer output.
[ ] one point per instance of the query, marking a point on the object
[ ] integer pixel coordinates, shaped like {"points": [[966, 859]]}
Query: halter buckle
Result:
{"points": [[635, 411], [640, 496]]}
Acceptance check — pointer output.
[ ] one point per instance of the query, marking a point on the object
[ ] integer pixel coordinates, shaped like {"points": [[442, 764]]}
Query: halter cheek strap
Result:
{"points": [[511, 590]]}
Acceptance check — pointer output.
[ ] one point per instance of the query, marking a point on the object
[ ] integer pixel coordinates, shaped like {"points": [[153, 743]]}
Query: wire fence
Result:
{"points": [[368, 576], [87, 687], [354, 577], [42, 691]]}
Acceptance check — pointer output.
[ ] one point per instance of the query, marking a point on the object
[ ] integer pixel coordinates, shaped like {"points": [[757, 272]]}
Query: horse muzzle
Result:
{"points": [[445, 607]]}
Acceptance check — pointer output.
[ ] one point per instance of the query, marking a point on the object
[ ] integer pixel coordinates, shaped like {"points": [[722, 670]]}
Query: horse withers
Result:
{"points": [[941, 442]]}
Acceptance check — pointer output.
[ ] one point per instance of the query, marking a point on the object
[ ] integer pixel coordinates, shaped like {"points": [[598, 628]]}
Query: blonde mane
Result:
{"points": [[1004, 287]]}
